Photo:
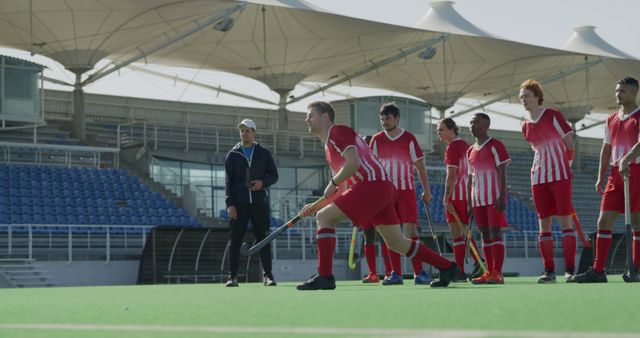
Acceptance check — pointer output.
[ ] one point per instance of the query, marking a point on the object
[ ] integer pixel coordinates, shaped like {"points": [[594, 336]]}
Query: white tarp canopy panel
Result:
{"points": [[284, 42]]}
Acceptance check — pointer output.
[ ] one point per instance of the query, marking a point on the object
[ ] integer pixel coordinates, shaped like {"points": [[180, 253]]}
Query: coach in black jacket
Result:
{"points": [[250, 170]]}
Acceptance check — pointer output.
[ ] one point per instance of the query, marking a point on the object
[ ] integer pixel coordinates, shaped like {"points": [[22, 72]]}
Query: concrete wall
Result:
{"points": [[92, 273]]}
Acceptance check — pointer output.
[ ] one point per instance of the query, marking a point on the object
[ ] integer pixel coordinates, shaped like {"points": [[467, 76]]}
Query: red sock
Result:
{"points": [[497, 253], [488, 254], [569, 249], [370, 255], [603, 242], [459, 249], [396, 262], [545, 240], [424, 254], [326, 246], [417, 264], [384, 251], [473, 244], [636, 249]]}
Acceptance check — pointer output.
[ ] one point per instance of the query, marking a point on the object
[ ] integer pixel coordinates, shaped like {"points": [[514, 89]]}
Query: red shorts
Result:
{"points": [[613, 197], [407, 206], [488, 216], [552, 199], [461, 210], [369, 203]]}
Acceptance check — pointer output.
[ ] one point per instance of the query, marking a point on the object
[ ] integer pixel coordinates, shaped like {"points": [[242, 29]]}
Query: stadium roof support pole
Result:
{"points": [[198, 27], [375, 65], [56, 81], [595, 124], [78, 118], [493, 111], [202, 85], [558, 76]]}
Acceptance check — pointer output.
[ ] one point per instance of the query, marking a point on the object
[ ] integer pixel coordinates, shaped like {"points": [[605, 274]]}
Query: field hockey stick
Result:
{"points": [[352, 248], [472, 248], [631, 271], [431, 228], [585, 242], [248, 251], [468, 241]]}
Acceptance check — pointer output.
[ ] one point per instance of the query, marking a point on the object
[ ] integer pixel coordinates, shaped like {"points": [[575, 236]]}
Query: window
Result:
{"points": [[207, 181], [20, 83]]}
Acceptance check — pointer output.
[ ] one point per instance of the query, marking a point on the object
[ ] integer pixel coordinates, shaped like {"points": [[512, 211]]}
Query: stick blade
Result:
{"points": [[244, 249]]}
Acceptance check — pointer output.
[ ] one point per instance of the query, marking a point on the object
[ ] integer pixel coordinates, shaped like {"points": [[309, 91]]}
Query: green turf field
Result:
{"points": [[520, 308]]}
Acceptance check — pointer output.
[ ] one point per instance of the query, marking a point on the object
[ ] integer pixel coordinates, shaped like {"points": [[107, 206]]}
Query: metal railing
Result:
{"points": [[24, 240], [218, 139], [61, 154]]}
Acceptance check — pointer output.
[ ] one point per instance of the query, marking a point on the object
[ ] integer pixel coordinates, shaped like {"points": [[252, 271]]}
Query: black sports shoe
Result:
{"points": [[268, 280], [461, 277], [446, 276], [232, 281], [591, 276], [631, 277], [317, 282], [547, 276]]}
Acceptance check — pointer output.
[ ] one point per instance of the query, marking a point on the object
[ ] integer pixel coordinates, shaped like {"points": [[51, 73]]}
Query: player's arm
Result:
{"points": [[568, 143], [626, 160], [424, 179], [349, 168], [502, 180], [449, 183], [605, 157], [307, 210]]}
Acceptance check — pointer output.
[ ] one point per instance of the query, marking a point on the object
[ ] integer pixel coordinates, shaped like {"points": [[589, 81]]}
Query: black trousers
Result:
{"points": [[258, 213]]}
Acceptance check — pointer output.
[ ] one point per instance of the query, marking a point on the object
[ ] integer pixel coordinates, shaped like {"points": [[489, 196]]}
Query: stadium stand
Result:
{"points": [[67, 196]]}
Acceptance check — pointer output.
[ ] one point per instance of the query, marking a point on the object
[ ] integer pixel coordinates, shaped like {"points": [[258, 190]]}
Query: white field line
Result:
{"points": [[377, 332]]}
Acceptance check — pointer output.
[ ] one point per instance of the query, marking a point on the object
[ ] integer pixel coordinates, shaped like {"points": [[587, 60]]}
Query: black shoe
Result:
{"points": [[477, 270], [232, 281], [631, 277], [461, 277], [317, 282], [547, 276], [268, 280], [591, 276], [446, 276]]}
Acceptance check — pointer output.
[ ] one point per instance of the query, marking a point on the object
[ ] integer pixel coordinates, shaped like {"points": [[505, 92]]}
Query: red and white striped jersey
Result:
{"points": [[483, 167], [398, 155], [339, 139], [622, 133], [456, 156], [545, 135]]}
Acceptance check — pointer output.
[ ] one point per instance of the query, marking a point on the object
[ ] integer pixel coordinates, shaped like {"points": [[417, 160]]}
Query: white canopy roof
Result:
{"points": [[442, 17], [585, 40], [593, 88], [284, 42]]}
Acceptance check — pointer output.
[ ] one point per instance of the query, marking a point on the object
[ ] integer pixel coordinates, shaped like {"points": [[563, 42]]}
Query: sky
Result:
{"points": [[546, 23]]}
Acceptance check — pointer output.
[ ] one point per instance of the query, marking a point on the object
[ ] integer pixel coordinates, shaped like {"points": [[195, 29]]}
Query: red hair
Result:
{"points": [[534, 86]]}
